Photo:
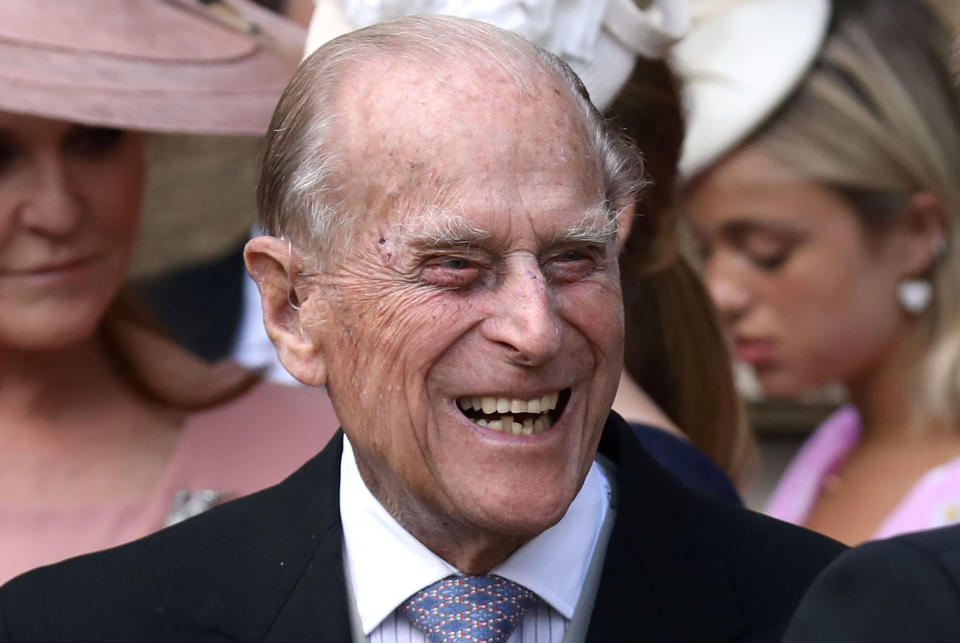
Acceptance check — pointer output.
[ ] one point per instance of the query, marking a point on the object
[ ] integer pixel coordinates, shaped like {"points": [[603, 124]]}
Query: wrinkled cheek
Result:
{"points": [[390, 343], [599, 318]]}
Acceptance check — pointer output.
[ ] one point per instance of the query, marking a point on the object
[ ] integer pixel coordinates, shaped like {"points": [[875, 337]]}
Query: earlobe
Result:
{"points": [[274, 265]]}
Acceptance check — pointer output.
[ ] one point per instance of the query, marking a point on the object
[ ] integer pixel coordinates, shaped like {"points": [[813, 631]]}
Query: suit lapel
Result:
{"points": [[662, 579], [288, 588]]}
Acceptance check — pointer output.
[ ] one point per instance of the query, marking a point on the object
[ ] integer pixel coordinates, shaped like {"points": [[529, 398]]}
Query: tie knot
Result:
{"points": [[478, 609]]}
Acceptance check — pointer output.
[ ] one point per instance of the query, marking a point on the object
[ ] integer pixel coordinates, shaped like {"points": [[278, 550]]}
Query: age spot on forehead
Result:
{"points": [[385, 250]]}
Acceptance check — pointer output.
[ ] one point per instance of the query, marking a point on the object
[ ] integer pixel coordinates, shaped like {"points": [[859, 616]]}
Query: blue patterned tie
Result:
{"points": [[474, 609]]}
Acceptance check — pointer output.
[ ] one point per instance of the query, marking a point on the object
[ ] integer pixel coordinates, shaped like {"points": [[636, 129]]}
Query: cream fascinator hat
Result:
{"points": [[739, 62], [599, 39], [176, 67]]}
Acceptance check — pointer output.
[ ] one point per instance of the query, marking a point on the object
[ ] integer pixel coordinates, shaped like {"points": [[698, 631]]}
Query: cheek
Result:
{"points": [[596, 311], [117, 204], [392, 337]]}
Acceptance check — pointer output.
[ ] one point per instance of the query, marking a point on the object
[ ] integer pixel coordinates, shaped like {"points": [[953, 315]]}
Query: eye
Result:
{"points": [[571, 265], [93, 142], [572, 255], [450, 272], [455, 263], [8, 154], [769, 262], [766, 252]]}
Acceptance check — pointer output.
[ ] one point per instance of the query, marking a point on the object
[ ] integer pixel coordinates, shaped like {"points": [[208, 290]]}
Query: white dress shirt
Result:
{"points": [[385, 564]]}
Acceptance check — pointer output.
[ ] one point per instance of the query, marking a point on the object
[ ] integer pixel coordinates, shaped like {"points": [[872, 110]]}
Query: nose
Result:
{"points": [[525, 322], [730, 296], [51, 205]]}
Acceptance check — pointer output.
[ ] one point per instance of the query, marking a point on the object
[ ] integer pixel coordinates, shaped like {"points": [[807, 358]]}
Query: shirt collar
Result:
{"points": [[387, 564]]}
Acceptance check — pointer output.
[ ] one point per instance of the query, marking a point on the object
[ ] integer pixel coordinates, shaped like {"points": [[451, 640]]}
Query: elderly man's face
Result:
{"points": [[473, 324]]}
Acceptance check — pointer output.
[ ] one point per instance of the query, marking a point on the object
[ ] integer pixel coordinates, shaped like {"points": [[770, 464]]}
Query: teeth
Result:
{"points": [[507, 408], [492, 404], [506, 424], [550, 401]]}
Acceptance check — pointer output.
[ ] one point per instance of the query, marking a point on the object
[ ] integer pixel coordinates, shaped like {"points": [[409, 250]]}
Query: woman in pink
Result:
{"points": [[109, 431], [824, 187]]}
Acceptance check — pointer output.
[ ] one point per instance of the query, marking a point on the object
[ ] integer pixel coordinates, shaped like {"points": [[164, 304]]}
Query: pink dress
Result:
{"points": [[933, 501], [230, 450]]}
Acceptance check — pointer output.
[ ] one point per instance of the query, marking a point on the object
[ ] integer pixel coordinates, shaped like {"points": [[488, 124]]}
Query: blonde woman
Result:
{"points": [[830, 223]]}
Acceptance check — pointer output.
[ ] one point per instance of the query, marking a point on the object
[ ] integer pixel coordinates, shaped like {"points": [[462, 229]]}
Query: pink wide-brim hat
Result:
{"points": [[170, 66]]}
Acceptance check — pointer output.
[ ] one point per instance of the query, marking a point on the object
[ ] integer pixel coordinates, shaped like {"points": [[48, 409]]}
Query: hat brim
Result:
{"points": [[233, 93]]}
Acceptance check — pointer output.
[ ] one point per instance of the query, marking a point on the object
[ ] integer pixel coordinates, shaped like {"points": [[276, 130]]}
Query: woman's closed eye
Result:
{"points": [[8, 153], [93, 142], [767, 252]]}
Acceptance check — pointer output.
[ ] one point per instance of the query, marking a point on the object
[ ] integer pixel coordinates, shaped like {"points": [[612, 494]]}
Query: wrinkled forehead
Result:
{"points": [[410, 129]]}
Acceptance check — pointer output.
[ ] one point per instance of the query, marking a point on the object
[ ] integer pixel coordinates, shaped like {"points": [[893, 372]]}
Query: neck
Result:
{"points": [[469, 549], [40, 385], [72, 430], [883, 391]]}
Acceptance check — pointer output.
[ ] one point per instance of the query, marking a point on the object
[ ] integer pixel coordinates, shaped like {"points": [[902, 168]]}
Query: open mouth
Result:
{"points": [[514, 415]]}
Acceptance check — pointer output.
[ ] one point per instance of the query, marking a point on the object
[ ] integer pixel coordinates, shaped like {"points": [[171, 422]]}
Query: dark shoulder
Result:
{"points": [[905, 588], [771, 563], [738, 570]]}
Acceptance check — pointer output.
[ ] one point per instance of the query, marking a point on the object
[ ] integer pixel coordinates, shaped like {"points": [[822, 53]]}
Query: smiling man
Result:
{"points": [[443, 208]]}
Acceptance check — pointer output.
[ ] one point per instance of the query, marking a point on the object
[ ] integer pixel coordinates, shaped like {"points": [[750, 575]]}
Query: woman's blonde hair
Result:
{"points": [[878, 119]]}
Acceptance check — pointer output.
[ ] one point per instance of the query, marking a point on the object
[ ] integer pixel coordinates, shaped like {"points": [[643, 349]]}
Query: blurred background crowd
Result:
{"points": [[791, 279]]}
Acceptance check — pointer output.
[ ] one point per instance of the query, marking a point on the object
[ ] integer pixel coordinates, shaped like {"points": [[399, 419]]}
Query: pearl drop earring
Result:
{"points": [[914, 295]]}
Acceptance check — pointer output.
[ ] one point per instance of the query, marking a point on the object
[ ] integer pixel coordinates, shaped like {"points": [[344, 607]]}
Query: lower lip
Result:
{"points": [[754, 352]]}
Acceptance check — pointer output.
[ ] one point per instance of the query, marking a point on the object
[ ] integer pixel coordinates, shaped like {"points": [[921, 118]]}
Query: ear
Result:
{"points": [[624, 224], [921, 230], [274, 265]]}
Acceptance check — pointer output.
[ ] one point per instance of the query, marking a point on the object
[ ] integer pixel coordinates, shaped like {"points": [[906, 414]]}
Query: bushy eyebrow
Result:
{"points": [[440, 228], [597, 226]]}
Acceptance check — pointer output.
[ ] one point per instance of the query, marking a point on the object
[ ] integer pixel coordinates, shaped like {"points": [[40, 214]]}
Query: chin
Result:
{"points": [[522, 514], [787, 386], [50, 333]]}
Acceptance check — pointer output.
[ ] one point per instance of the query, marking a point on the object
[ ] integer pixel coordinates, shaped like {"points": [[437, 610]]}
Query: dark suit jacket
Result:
{"points": [[680, 566], [903, 589]]}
